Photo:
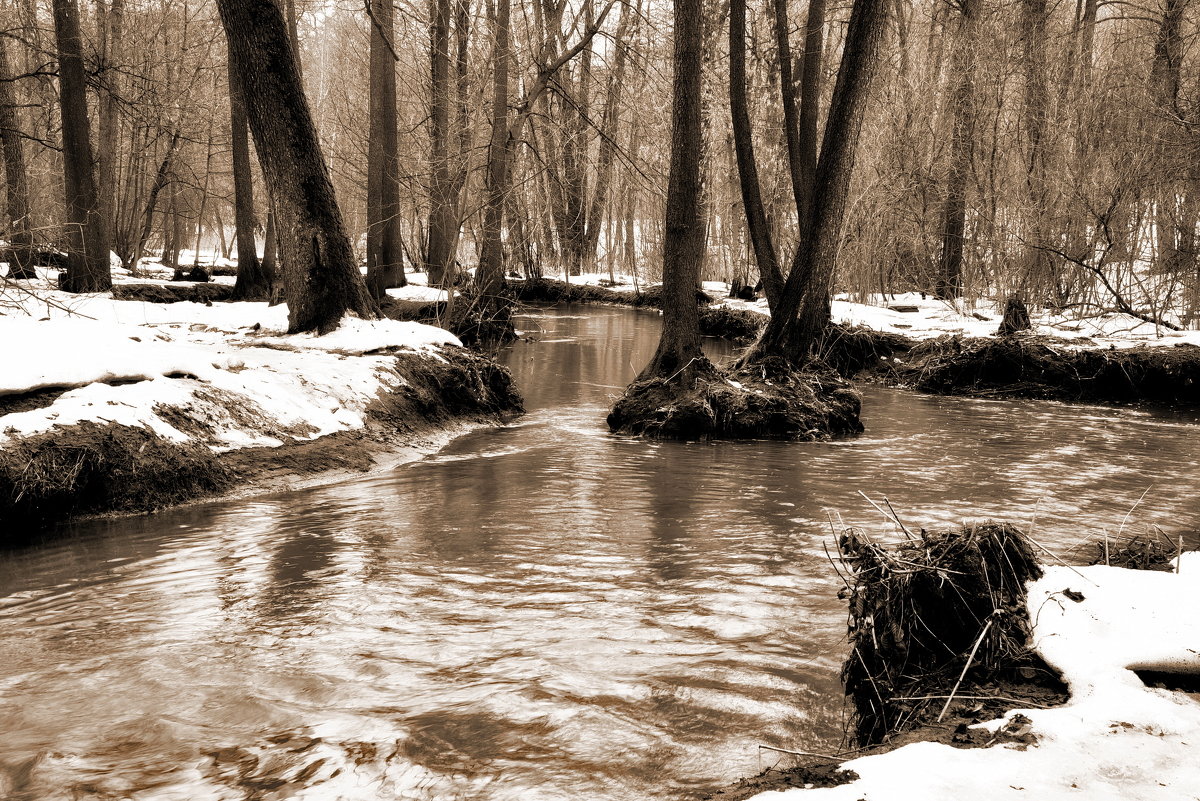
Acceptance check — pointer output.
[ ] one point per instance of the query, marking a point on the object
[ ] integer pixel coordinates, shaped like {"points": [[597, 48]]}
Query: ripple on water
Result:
{"points": [[540, 611]]}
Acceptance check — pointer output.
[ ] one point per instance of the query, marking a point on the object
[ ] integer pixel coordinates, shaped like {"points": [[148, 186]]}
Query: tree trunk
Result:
{"points": [[321, 282], [20, 238], [797, 328], [443, 212], [608, 141], [1037, 268], [683, 243], [253, 279], [962, 140], [490, 276], [802, 157], [88, 267], [161, 176], [112, 30], [385, 257], [757, 224]]}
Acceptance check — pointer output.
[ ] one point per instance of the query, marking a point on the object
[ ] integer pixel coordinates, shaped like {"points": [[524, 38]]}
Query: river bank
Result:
{"points": [[1122, 640], [537, 610], [125, 406], [943, 348]]}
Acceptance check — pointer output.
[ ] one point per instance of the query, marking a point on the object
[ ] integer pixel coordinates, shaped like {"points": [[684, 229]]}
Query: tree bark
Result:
{"points": [[683, 243], [112, 27], [253, 279], [757, 225], [797, 328], [490, 276], [321, 282], [962, 140], [88, 267], [443, 212], [385, 257], [20, 237]]}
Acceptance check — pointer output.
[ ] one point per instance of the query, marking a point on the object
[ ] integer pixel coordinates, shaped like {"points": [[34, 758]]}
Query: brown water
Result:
{"points": [[540, 611]]}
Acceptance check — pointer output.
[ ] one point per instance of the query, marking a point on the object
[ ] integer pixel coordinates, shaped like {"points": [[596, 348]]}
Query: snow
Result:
{"points": [[230, 369], [926, 317], [1114, 739]]}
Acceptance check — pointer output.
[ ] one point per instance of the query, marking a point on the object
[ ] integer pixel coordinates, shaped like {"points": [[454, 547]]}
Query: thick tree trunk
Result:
{"points": [[490, 276], [321, 282], [88, 267], [20, 237], [443, 202], [253, 280], [683, 244], [765, 254], [962, 140], [802, 156], [385, 256], [797, 327]]}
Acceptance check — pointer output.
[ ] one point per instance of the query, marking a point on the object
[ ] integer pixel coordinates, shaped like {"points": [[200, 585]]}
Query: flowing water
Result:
{"points": [[539, 611]]}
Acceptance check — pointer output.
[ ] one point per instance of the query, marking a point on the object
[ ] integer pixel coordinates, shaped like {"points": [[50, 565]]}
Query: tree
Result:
{"points": [[254, 279], [88, 267], [962, 141], [385, 258], [678, 353], [443, 197], [20, 237], [798, 323], [321, 282]]}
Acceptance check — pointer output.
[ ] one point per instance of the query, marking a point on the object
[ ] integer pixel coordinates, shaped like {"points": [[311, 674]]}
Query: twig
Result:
{"points": [[1131, 508], [970, 698], [831, 757], [892, 517], [1056, 558], [966, 667]]}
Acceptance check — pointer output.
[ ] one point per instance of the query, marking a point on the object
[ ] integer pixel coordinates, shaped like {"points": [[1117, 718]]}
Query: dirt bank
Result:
{"points": [[92, 468]]}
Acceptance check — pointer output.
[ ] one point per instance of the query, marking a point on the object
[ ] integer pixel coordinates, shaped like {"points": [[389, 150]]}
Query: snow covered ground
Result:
{"points": [[926, 317], [1116, 739], [226, 375]]}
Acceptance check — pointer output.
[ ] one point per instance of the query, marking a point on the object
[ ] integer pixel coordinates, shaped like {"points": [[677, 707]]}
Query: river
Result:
{"points": [[538, 611]]}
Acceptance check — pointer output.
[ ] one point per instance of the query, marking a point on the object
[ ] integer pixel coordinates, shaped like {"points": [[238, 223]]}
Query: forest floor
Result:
{"points": [[1124, 641], [111, 405]]}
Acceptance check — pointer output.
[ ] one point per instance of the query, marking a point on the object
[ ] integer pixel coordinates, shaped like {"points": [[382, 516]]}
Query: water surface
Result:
{"points": [[539, 611]]}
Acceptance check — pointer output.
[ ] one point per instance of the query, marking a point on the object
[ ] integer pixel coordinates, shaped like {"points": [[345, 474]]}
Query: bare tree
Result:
{"points": [[88, 267], [321, 283]]}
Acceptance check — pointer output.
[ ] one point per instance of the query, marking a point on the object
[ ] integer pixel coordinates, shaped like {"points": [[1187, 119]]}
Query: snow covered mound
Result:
{"points": [[1115, 740], [225, 375]]}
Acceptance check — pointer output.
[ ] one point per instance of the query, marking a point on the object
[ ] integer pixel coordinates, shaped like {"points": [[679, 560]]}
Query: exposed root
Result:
{"points": [[88, 467], [763, 401], [942, 615], [1035, 367], [737, 325]]}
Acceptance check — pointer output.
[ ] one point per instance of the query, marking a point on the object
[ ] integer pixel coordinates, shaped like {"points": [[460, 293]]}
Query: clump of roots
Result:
{"points": [[940, 612]]}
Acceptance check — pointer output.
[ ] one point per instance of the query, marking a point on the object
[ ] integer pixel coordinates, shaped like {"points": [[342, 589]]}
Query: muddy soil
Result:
{"points": [[90, 469], [765, 401]]}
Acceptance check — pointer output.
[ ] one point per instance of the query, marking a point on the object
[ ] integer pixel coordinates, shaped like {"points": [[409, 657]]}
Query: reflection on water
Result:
{"points": [[540, 611]]}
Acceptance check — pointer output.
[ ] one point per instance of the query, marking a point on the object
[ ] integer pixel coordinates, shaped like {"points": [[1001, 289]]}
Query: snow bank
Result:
{"points": [[1115, 738], [925, 317], [226, 375]]}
